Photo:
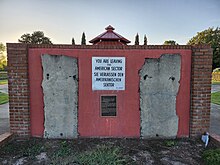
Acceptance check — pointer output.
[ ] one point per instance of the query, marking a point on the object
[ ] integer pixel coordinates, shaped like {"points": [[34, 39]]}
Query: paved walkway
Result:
{"points": [[4, 88], [4, 112], [215, 114], [215, 88], [215, 119], [4, 118]]}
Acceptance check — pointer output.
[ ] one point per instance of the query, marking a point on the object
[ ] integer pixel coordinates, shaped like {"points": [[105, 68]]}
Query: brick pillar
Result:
{"points": [[18, 88], [200, 89]]}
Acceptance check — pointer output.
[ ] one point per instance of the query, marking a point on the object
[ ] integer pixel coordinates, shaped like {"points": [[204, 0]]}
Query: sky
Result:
{"points": [[60, 20]]}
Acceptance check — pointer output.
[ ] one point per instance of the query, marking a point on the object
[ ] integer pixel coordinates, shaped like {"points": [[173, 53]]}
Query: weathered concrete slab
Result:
{"points": [[159, 84], [60, 88]]}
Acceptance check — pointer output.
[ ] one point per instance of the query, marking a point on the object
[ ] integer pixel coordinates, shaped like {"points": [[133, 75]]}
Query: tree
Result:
{"points": [[209, 36], [73, 41], [136, 39], [145, 40], [3, 59], [36, 37], [170, 42], [83, 41]]}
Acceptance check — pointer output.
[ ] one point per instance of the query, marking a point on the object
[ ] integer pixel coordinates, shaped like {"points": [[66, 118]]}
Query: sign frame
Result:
{"points": [[108, 73], [116, 105]]}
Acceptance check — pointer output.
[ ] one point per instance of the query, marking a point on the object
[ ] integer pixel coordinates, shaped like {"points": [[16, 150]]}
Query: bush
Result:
{"points": [[212, 156], [216, 70]]}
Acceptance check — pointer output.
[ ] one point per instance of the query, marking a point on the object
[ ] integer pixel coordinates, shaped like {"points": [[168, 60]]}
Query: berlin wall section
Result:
{"points": [[29, 120], [159, 86], [60, 89]]}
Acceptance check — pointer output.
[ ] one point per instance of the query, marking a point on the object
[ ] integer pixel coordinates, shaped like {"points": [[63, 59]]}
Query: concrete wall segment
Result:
{"points": [[60, 89], [159, 85]]}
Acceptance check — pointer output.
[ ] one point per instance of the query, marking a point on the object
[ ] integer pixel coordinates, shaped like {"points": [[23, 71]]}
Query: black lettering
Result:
{"points": [[116, 60], [98, 60], [120, 74], [116, 68], [102, 68], [109, 74], [108, 84], [105, 61], [96, 74]]}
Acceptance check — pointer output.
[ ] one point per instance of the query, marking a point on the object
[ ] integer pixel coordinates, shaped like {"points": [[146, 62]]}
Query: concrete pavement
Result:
{"points": [[215, 119], [4, 112], [215, 88], [215, 114], [4, 88]]}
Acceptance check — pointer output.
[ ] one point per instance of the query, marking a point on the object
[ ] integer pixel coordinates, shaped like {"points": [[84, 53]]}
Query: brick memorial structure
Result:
{"points": [[109, 89]]}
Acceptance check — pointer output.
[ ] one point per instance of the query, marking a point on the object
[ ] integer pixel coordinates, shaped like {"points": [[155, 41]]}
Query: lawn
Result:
{"points": [[3, 98], [216, 83], [215, 98], [2, 82]]}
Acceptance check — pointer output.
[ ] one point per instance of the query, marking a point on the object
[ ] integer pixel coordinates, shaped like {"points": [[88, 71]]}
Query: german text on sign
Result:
{"points": [[108, 73]]}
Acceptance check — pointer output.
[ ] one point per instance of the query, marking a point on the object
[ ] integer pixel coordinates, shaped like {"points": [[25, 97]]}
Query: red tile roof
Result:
{"points": [[109, 35]]}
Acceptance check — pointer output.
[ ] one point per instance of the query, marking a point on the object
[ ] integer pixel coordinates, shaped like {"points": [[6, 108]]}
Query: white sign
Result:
{"points": [[108, 73]]}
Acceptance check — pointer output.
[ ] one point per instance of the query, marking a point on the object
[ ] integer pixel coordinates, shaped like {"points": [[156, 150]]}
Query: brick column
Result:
{"points": [[18, 88], [200, 90]]}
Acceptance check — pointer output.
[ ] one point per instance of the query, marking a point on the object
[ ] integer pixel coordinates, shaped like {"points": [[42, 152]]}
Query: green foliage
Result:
{"points": [[216, 70], [3, 98], [2, 82], [102, 155], [215, 98], [170, 42], [3, 58], [215, 83], [83, 41], [63, 150], [29, 149], [73, 41], [209, 36], [145, 40], [33, 150], [211, 157], [3, 75], [136, 40], [36, 37], [170, 143]]}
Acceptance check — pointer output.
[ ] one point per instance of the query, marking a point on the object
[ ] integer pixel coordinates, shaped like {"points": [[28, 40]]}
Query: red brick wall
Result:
{"points": [[18, 88], [200, 89], [19, 83]]}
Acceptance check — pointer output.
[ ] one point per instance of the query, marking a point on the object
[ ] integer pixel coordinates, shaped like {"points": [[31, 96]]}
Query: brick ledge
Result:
{"points": [[215, 139], [6, 137]]}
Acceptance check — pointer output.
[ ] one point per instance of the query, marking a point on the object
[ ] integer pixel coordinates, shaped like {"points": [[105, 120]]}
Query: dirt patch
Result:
{"points": [[133, 151]]}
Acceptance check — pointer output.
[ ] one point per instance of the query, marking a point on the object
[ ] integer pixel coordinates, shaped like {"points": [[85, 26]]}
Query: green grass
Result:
{"points": [[170, 143], [2, 82], [215, 98], [215, 83], [211, 157], [3, 98], [101, 155], [3, 75]]}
